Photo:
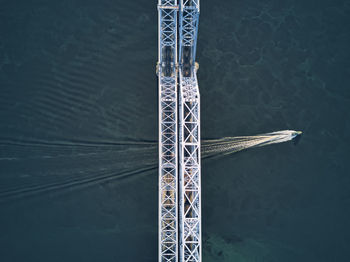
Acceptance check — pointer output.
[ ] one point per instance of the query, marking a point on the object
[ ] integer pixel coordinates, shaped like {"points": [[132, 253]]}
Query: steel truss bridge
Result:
{"points": [[179, 132]]}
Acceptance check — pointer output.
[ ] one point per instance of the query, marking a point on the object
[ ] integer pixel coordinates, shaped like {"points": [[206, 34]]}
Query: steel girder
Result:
{"points": [[186, 211], [168, 154], [189, 137], [189, 171], [189, 19]]}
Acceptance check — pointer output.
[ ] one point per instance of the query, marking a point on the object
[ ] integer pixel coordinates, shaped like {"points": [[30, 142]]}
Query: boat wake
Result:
{"points": [[36, 167], [230, 145]]}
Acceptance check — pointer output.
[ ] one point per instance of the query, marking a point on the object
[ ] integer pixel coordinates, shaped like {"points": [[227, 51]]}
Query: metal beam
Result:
{"points": [[168, 125], [190, 235]]}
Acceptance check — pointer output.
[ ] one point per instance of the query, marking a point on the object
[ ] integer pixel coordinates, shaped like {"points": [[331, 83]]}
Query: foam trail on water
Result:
{"points": [[37, 167], [230, 145]]}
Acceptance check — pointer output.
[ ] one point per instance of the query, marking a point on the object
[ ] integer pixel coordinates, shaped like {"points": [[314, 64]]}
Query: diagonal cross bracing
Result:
{"points": [[190, 235], [188, 23], [189, 171], [179, 199], [168, 125]]}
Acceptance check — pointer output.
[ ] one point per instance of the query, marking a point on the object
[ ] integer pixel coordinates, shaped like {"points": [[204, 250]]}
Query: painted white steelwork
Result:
{"points": [[179, 220], [168, 154], [188, 20], [180, 233], [190, 171], [189, 137]]}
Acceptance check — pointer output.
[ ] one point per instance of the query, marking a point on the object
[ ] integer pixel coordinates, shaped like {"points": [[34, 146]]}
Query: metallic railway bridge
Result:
{"points": [[179, 132]]}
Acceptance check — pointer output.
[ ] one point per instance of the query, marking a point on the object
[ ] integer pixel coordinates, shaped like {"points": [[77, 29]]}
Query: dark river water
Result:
{"points": [[78, 125]]}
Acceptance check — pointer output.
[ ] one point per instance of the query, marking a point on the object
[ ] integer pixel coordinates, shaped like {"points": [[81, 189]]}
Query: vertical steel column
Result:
{"points": [[190, 171], [190, 235], [188, 23], [168, 125]]}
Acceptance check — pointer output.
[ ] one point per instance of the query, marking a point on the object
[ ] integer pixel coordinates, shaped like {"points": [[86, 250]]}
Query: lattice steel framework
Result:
{"points": [[190, 170], [188, 209], [189, 18], [168, 154], [189, 137]]}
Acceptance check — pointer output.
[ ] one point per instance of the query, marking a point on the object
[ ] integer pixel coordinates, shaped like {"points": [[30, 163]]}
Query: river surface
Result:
{"points": [[78, 122]]}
